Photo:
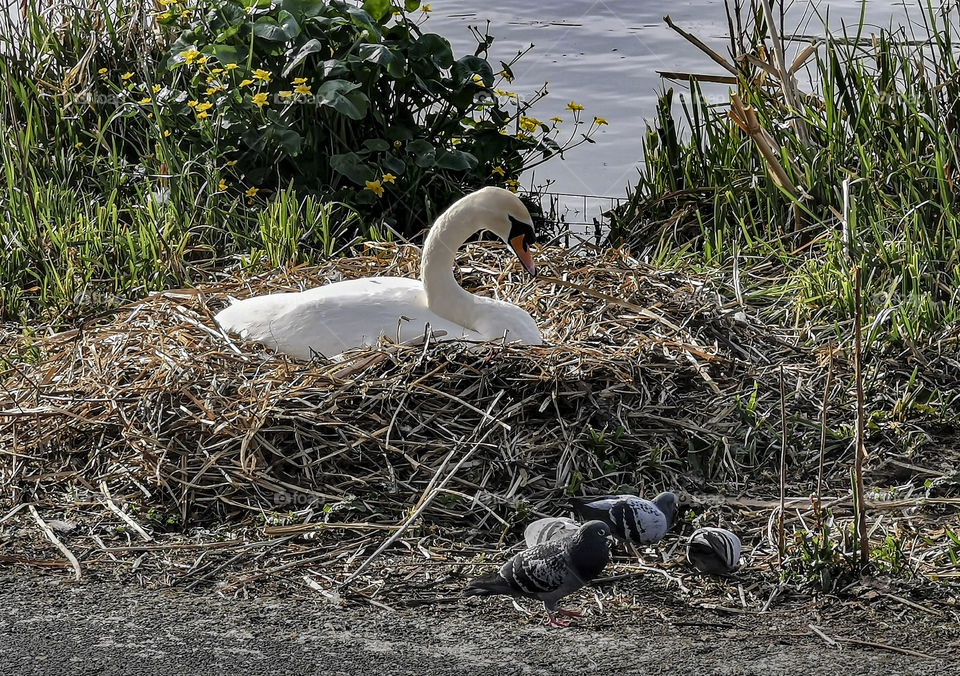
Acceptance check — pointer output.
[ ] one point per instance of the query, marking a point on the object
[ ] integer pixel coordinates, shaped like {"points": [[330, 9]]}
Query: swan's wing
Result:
{"points": [[330, 319]]}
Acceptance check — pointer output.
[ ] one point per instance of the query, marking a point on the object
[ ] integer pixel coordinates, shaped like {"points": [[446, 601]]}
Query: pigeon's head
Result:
{"points": [[593, 530], [666, 503]]}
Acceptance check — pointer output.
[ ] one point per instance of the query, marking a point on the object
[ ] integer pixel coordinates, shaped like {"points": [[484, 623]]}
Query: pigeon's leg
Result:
{"points": [[569, 613], [636, 553], [554, 622]]}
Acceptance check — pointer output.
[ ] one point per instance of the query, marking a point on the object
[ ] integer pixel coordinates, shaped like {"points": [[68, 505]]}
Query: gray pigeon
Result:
{"points": [[713, 550], [630, 518], [551, 570], [550, 528]]}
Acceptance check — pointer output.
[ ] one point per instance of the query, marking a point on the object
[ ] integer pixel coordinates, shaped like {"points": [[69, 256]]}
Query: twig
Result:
{"points": [[48, 532], [425, 500]]}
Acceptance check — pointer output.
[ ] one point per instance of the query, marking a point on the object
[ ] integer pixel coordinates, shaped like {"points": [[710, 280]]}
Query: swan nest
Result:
{"points": [[650, 380]]}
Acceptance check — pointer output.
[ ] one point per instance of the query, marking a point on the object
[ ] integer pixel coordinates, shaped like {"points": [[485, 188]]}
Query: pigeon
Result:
{"points": [[713, 550], [550, 528], [630, 518], [551, 570]]}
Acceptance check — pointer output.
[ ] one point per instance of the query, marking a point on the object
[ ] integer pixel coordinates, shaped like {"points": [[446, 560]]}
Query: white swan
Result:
{"points": [[331, 319]]}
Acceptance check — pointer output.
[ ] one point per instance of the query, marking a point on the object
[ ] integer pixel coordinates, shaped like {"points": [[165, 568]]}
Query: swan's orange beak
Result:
{"points": [[523, 253]]}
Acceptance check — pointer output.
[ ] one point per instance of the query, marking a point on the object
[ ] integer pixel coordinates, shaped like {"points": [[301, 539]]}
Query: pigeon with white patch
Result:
{"points": [[713, 550], [550, 528], [551, 570], [631, 519]]}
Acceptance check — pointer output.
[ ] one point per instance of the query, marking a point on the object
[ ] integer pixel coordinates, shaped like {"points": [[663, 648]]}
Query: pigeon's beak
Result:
{"points": [[519, 246]]}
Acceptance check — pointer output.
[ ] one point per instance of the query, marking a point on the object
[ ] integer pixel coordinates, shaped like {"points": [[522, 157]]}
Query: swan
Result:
{"points": [[331, 319]]}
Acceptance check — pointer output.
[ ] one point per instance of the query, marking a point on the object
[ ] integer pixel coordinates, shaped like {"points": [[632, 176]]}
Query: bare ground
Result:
{"points": [[52, 625]]}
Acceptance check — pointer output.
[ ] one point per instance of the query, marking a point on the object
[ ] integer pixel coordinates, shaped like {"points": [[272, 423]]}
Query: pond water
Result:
{"points": [[605, 55]]}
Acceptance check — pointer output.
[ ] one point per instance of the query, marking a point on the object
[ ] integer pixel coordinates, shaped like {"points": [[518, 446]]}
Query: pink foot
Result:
{"points": [[554, 622]]}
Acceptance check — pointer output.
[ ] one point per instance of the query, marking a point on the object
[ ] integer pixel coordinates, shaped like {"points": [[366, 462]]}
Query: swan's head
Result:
{"points": [[508, 218]]}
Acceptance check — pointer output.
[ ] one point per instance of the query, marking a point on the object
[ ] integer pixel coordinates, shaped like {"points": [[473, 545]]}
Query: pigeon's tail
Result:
{"points": [[488, 586]]}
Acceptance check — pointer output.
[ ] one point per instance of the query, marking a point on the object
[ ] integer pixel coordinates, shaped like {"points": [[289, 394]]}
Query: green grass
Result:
{"points": [[880, 114]]}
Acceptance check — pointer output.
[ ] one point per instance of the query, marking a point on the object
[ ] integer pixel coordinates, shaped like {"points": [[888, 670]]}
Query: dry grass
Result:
{"points": [[649, 381]]}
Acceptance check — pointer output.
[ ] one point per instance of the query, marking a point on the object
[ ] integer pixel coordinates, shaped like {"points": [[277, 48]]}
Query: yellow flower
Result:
{"points": [[164, 16], [260, 99], [244, 83], [232, 66], [506, 76], [397, 144], [216, 70], [425, 8], [285, 94], [529, 123], [574, 106], [189, 56], [375, 188], [203, 115], [599, 121], [126, 76], [252, 192], [389, 178], [261, 74], [79, 144], [299, 80], [202, 59], [556, 120], [206, 105], [231, 163], [185, 14], [303, 89], [222, 185], [191, 104], [156, 89], [499, 170], [102, 71], [509, 95], [214, 89], [166, 133], [477, 79], [512, 185], [144, 101]]}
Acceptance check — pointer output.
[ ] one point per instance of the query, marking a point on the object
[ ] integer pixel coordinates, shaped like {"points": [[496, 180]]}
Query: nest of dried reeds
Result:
{"points": [[648, 381]]}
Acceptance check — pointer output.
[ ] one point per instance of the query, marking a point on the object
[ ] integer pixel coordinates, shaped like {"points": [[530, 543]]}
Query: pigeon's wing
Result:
{"points": [[538, 571], [599, 508], [641, 521], [714, 550], [550, 528]]}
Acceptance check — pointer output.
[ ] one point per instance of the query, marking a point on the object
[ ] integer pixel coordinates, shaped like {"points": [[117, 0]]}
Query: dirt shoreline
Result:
{"points": [[52, 625]]}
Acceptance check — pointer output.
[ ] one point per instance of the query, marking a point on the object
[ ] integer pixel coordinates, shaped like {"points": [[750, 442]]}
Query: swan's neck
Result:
{"points": [[444, 296]]}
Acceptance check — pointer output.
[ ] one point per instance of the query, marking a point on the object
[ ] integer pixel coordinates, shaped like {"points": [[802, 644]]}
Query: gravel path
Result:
{"points": [[49, 625]]}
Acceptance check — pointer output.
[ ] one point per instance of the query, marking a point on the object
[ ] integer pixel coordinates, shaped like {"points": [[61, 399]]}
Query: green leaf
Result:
{"points": [[364, 20], [353, 167], [455, 160], [294, 59], [468, 66], [424, 154], [377, 8], [304, 8], [382, 56], [434, 48], [411, 5], [393, 164], [227, 54], [282, 29], [377, 145], [339, 95], [287, 139]]}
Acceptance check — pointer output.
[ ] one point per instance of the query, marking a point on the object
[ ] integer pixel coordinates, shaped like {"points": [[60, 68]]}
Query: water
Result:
{"points": [[605, 55]]}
